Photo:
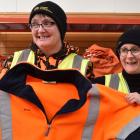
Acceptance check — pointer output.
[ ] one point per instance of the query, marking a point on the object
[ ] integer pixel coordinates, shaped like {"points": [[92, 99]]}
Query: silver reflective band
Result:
{"points": [[93, 112], [114, 81], [129, 128], [24, 55], [5, 116], [77, 62]]}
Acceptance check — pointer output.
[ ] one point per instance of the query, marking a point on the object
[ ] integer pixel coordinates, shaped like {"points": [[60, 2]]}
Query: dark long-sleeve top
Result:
{"points": [[133, 81]]}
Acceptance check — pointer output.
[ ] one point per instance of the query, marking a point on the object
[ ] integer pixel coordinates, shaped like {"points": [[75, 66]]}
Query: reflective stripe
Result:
{"points": [[5, 116], [77, 62], [123, 86], [67, 62], [117, 81], [129, 128], [15, 58], [71, 61], [74, 61], [80, 63], [24, 55], [93, 112], [107, 80], [84, 66], [114, 81]]}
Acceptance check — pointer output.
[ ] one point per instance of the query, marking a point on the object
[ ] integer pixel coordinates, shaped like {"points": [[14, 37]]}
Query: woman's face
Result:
{"points": [[130, 58], [46, 34]]}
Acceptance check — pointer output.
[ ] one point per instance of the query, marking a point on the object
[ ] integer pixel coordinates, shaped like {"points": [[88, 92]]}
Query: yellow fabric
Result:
{"points": [[67, 63], [123, 87], [107, 79], [30, 59], [15, 59], [64, 64]]}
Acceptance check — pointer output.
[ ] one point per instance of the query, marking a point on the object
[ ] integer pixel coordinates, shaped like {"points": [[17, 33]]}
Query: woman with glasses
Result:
{"points": [[48, 24], [128, 81]]}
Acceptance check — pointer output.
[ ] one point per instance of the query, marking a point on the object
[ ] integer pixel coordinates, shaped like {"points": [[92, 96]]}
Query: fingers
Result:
{"points": [[133, 98]]}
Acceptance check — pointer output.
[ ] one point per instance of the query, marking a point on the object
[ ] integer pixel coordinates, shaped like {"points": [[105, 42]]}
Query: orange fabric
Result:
{"points": [[109, 108], [48, 93], [33, 125], [29, 123], [104, 60], [113, 108]]}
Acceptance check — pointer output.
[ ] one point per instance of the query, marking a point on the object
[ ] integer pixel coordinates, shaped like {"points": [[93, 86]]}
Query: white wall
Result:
{"points": [[113, 6]]}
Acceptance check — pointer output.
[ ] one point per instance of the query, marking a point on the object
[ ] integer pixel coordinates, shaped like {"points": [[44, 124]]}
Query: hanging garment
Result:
{"points": [[104, 60]]}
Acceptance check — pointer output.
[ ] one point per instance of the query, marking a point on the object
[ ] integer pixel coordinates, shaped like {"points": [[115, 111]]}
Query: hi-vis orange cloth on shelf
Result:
{"points": [[104, 60]]}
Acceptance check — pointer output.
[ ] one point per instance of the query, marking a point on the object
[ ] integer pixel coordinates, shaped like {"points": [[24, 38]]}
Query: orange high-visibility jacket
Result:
{"points": [[61, 105]]}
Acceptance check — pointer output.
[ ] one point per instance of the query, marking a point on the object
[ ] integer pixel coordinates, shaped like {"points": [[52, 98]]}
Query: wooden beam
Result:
{"points": [[79, 18]]}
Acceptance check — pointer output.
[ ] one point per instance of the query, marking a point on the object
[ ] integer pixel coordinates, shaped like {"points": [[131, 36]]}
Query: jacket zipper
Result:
{"points": [[48, 130], [49, 123]]}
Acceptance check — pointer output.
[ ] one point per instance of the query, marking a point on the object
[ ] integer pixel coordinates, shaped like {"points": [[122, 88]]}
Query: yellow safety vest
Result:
{"points": [[71, 61], [117, 81]]}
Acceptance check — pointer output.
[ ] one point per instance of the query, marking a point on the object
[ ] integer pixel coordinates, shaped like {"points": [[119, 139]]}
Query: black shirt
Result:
{"points": [[133, 81]]}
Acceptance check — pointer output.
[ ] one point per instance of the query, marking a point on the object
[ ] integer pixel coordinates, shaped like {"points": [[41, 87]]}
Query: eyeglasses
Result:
{"points": [[45, 25], [134, 51]]}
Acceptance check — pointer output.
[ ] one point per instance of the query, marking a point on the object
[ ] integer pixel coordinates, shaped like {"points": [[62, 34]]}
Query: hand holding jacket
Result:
{"points": [[133, 97]]}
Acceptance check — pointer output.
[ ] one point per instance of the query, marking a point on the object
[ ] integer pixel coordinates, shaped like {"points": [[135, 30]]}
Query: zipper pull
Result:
{"points": [[48, 130]]}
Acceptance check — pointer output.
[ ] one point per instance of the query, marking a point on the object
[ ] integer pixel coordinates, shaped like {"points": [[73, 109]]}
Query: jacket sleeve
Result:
{"points": [[99, 80]]}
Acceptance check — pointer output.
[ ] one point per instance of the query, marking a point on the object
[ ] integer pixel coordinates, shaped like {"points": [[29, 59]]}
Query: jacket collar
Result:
{"points": [[14, 82]]}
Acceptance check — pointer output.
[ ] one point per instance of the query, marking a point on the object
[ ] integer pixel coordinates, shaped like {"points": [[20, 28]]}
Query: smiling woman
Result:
{"points": [[128, 81], [48, 50], [128, 51], [46, 34]]}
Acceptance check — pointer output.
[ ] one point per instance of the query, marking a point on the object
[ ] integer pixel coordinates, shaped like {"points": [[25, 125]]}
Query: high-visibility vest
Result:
{"points": [[53, 105], [71, 61], [117, 81]]}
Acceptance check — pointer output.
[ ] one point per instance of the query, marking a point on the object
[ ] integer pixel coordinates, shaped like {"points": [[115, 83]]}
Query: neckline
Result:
{"points": [[130, 76]]}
